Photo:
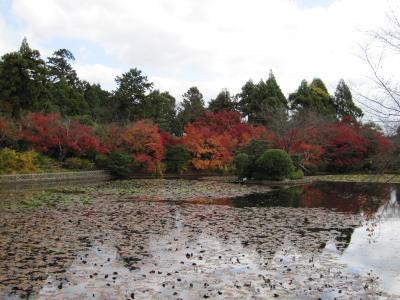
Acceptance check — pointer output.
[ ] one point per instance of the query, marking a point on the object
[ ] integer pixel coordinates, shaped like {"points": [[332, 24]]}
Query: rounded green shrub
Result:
{"points": [[296, 175], [255, 148], [296, 159], [274, 164], [247, 164]]}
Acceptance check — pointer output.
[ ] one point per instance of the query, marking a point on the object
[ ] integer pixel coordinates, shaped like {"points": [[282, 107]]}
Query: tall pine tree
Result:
{"points": [[191, 108], [160, 108], [259, 102], [67, 89], [223, 101], [132, 88], [24, 83], [344, 103], [312, 97]]}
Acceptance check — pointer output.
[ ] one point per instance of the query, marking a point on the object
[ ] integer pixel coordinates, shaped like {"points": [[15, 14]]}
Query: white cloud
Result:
{"points": [[7, 37], [212, 43], [98, 73]]}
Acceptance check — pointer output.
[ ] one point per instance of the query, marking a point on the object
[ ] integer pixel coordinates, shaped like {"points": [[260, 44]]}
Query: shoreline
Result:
{"points": [[38, 180]]}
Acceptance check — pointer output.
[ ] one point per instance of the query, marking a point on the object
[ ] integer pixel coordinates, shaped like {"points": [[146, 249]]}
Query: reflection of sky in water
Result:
{"points": [[376, 245], [188, 258]]}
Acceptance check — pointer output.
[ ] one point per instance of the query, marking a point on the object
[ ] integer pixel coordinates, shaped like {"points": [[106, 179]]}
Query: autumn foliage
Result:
{"points": [[143, 141], [215, 137], [49, 134], [211, 141], [304, 142], [340, 146]]}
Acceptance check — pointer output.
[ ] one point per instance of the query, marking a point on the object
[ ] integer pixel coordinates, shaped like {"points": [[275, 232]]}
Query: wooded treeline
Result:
{"points": [[45, 107], [29, 82]]}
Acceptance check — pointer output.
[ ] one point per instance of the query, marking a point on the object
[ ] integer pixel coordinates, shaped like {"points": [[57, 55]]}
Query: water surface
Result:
{"points": [[322, 240]]}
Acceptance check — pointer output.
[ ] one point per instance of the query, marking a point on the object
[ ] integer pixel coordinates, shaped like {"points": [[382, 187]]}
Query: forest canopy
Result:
{"points": [[45, 107]]}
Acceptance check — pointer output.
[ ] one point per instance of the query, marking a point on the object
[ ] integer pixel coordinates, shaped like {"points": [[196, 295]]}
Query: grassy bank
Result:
{"points": [[367, 178]]}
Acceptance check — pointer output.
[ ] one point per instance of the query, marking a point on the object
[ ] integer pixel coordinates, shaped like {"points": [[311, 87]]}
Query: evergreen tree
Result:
{"points": [[317, 83], [248, 95], [259, 102], [67, 89], [160, 108], [60, 67], [132, 88], [314, 97], [191, 108], [301, 99], [98, 101], [69, 100], [23, 82], [223, 101], [273, 92], [344, 104]]}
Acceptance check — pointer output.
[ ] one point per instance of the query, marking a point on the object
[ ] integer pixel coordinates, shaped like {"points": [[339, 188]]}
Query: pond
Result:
{"points": [[176, 239]]}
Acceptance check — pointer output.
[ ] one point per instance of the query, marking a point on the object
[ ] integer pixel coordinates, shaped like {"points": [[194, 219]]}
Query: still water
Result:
{"points": [[322, 240]]}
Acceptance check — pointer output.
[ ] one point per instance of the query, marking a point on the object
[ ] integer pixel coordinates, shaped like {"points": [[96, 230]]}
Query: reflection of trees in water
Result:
{"points": [[343, 239], [130, 225], [346, 197], [343, 197], [270, 229], [289, 197], [389, 210], [363, 199], [374, 202]]}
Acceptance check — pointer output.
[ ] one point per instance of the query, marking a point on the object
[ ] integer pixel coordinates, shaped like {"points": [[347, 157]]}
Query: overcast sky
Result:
{"points": [[212, 44]]}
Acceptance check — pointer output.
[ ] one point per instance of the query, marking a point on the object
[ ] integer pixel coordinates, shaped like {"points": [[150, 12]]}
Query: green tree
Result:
{"points": [[344, 103], [274, 164], [159, 107], [314, 97], [191, 108], [119, 164], [245, 161], [98, 101], [23, 82], [177, 159], [260, 102], [59, 66], [132, 88], [69, 100], [66, 87], [223, 101]]}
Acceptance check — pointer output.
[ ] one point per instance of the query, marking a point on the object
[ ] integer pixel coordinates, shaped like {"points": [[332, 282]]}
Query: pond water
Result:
{"points": [[141, 240]]}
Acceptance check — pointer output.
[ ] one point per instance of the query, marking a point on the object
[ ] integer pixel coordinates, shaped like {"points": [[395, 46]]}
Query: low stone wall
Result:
{"points": [[86, 176]]}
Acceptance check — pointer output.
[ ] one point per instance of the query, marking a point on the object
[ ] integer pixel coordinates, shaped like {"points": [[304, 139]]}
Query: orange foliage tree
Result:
{"points": [[215, 137], [142, 141]]}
